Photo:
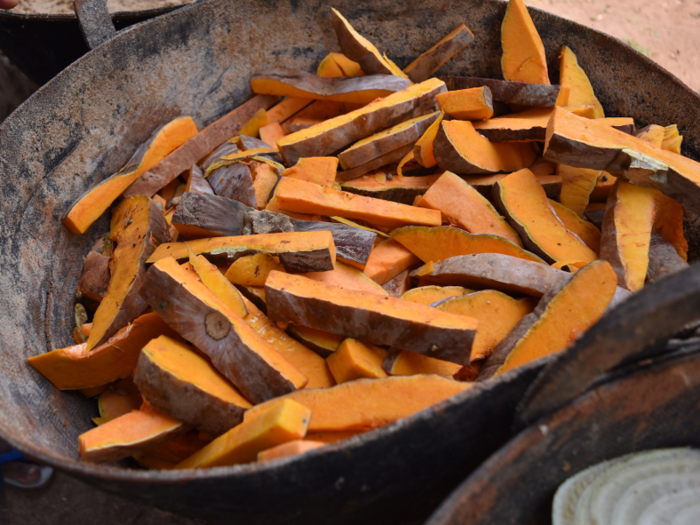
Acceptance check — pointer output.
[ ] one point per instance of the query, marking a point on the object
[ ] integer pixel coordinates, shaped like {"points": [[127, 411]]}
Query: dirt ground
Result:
{"points": [[667, 31]]}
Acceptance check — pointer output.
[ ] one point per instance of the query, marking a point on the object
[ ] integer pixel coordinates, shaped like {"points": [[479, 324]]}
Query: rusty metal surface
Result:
{"points": [[86, 123], [655, 407]]}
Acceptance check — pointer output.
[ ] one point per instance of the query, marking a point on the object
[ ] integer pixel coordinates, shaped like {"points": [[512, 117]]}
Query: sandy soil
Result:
{"points": [[668, 31], [65, 7]]}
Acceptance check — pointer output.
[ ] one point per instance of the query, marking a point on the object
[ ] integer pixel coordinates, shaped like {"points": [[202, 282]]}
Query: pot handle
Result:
{"points": [[634, 330], [95, 23]]}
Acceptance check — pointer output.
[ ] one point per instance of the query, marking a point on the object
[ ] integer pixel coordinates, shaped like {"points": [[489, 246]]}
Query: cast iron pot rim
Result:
{"points": [[112, 473], [115, 473], [117, 15]]}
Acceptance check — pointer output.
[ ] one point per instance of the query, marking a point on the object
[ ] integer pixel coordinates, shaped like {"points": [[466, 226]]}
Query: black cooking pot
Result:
{"points": [[654, 403], [85, 124], [41, 46]]}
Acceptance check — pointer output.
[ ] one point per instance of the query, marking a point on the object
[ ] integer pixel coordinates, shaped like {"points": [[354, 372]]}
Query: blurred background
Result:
{"points": [[667, 31]]}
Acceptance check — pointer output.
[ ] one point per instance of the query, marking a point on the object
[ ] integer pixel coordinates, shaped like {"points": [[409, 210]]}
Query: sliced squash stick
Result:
{"points": [[337, 133], [213, 279], [428, 295], [410, 364], [127, 435], [338, 65], [323, 343], [94, 279], [356, 360], [359, 49], [467, 104], [516, 93], [370, 403], [381, 320], [198, 147], [461, 149], [350, 278], [75, 368], [319, 170], [585, 230], [387, 260], [560, 317], [465, 207], [524, 57], [386, 141], [443, 242], [235, 349], [138, 227], [399, 189], [289, 449], [297, 251], [572, 76], [282, 421], [423, 150], [305, 197], [297, 83], [423, 67], [497, 314], [201, 215], [176, 380], [523, 201], [88, 208]]}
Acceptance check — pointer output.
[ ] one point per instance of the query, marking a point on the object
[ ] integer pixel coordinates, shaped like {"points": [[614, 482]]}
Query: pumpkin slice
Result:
{"points": [[138, 226], [577, 185], [423, 149], [202, 215], [235, 349], [672, 139], [129, 434], [428, 295], [624, 124], [117, 400], [653, 133], [289, 449], [357, 48], [361, 315], [461, 149], [252, 270], [308, 362], [297, 251], [282, 421], [410, 364], [627, 226], [552, 184], [297, 83], [285, 109], [266, 178], [323, 343], [370, 403], [467, 104], [463, 206], [353, 244], [443, 242], [573, 77], [523, 58], [180, 447], [603, 188], [176, 380], [497, 314], [399, 285], [213, 279], [585, 230], [94, 280], [392, 157], [387, 260], [254, 294], [561, 316], [198, 147], [350, 278], [234, 182], [338, 65], [423, 67], [590, 144], [92, 204], [516, 93], [252, 127], [337, 133], [305, 197], [399, 189], [271, 133], [319, 170], [508, 128], [523, 201], [386, 141], [356, 360], [496, 271], [75, 368], [196, 183], [314, 113]]}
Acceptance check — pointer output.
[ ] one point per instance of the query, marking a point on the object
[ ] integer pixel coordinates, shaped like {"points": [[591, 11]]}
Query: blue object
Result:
{"points": [[12, 455]]}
